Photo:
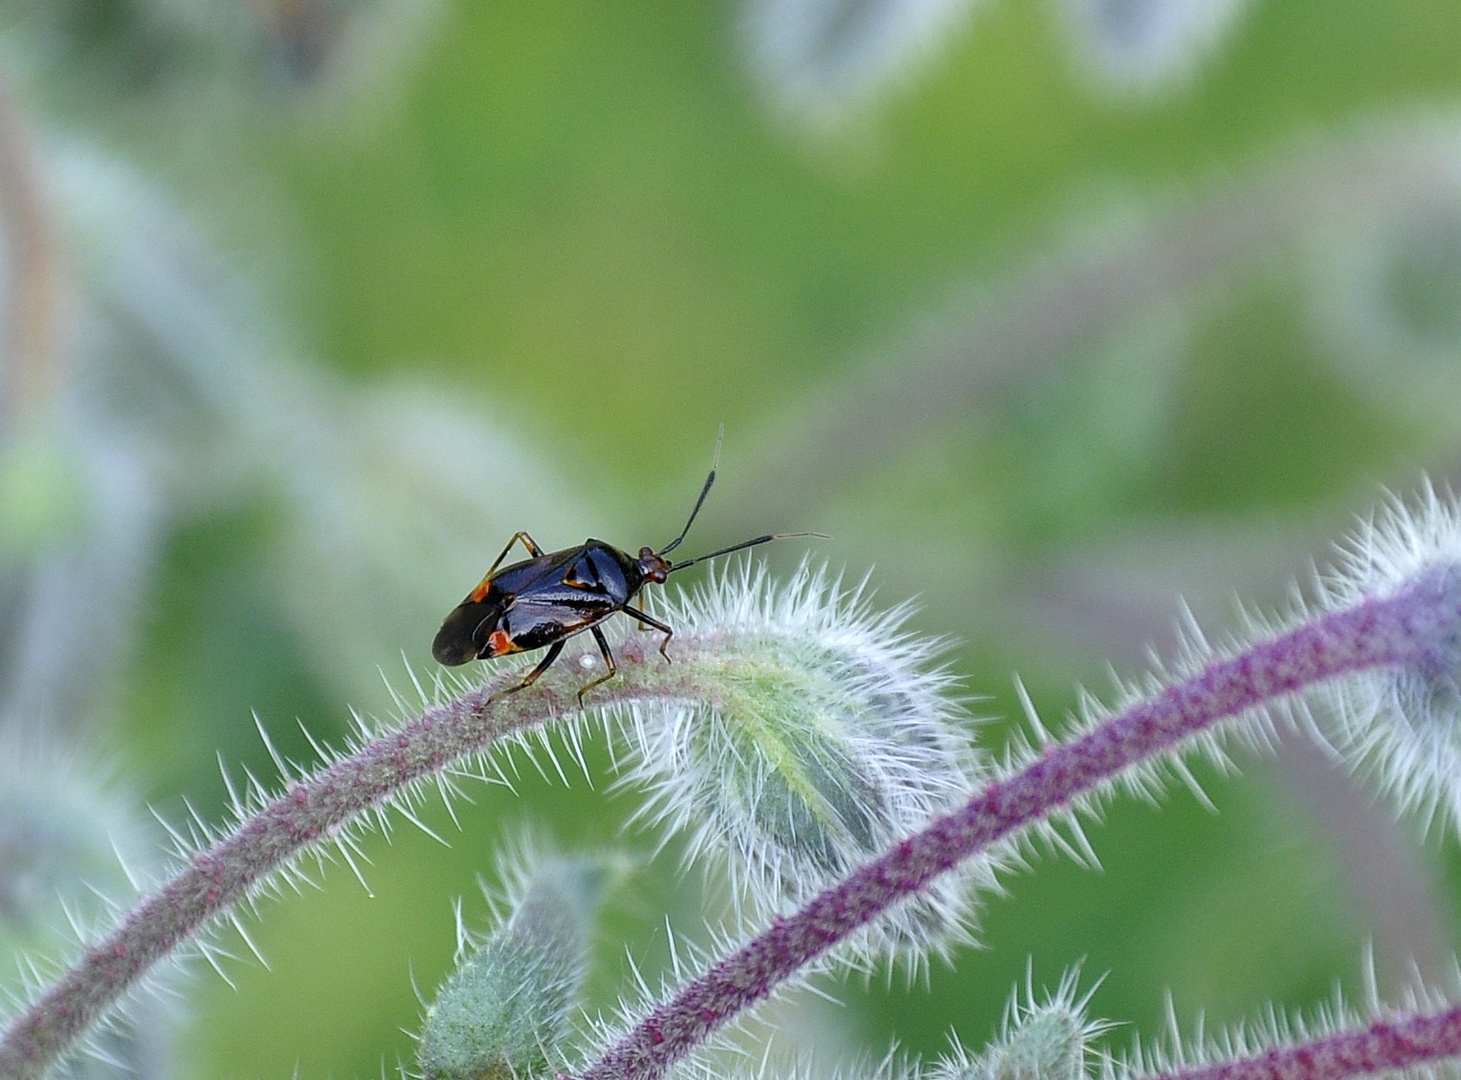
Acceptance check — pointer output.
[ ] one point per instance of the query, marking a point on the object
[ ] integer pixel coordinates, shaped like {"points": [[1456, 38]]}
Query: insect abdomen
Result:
{"points": [[465, 632]]}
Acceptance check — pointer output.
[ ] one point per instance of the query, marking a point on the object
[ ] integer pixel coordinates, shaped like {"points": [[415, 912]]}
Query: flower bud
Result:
{"points": [[504, 1012], [816, 738], [1045, 1041], [1400, 726]]}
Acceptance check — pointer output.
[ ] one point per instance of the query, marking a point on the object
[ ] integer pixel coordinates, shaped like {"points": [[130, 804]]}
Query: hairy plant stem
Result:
{"points": [[308, 814], [1398, 631], [1383, 1047]]}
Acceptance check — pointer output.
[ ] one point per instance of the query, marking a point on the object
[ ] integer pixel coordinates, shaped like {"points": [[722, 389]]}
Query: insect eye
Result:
{"points": [[653, 567]]}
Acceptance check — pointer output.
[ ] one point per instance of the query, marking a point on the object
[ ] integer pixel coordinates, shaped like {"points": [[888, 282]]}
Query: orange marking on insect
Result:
{"points": [[499, 642], [480, 592]]}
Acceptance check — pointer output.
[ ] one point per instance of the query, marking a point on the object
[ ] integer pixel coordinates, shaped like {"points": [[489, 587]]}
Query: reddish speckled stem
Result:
{"points": [[305, 815], [1393, 632], [1385, 1046], [214, 880]]}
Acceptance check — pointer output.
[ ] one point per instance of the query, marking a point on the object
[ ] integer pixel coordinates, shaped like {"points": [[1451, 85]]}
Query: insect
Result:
{"points": [[542, 601]]}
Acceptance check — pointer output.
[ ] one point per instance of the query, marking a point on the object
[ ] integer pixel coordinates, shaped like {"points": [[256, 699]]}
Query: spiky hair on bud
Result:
{"points": [[1400, 726], [1384, 625], [505, 1010], [1045, 1038], [1238, 688], [830, 734]]}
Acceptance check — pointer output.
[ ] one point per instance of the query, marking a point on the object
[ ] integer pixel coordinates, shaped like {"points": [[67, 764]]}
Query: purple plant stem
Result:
{"points": [[1404, 629], [1384, 1046], [306, 815]]}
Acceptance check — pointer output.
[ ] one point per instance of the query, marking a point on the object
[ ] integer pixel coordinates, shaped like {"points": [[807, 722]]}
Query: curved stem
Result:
{"points": [[1378, 633], [1385, 1046], [308, 814]]}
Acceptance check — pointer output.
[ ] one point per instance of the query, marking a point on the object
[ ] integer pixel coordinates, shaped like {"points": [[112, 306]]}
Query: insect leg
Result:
{"points": [[645, 620], [608, 659], [532, 676], [533, 549]]}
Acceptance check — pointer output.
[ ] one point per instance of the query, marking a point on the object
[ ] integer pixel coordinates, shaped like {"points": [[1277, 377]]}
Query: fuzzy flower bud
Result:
{"points": [[1036, 1041], [825, 739], [504, 1012], [1401, 725]]}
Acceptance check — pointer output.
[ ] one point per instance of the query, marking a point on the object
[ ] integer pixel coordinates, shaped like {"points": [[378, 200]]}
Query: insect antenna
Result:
{"points": [[714, 464], [743, 544]]}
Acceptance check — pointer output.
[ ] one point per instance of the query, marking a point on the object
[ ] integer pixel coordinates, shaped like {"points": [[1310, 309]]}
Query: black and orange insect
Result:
{"points": [[542, 601]]}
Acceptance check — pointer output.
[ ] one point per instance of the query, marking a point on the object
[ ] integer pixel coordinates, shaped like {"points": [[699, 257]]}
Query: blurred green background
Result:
{"points": [[1049, 314]]}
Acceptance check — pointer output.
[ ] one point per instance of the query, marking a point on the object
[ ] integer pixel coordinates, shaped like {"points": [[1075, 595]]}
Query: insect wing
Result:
{"points": [[532, 622], [477, 627], [526, 575], [604, 570], [465, 631], [555, 596]]}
